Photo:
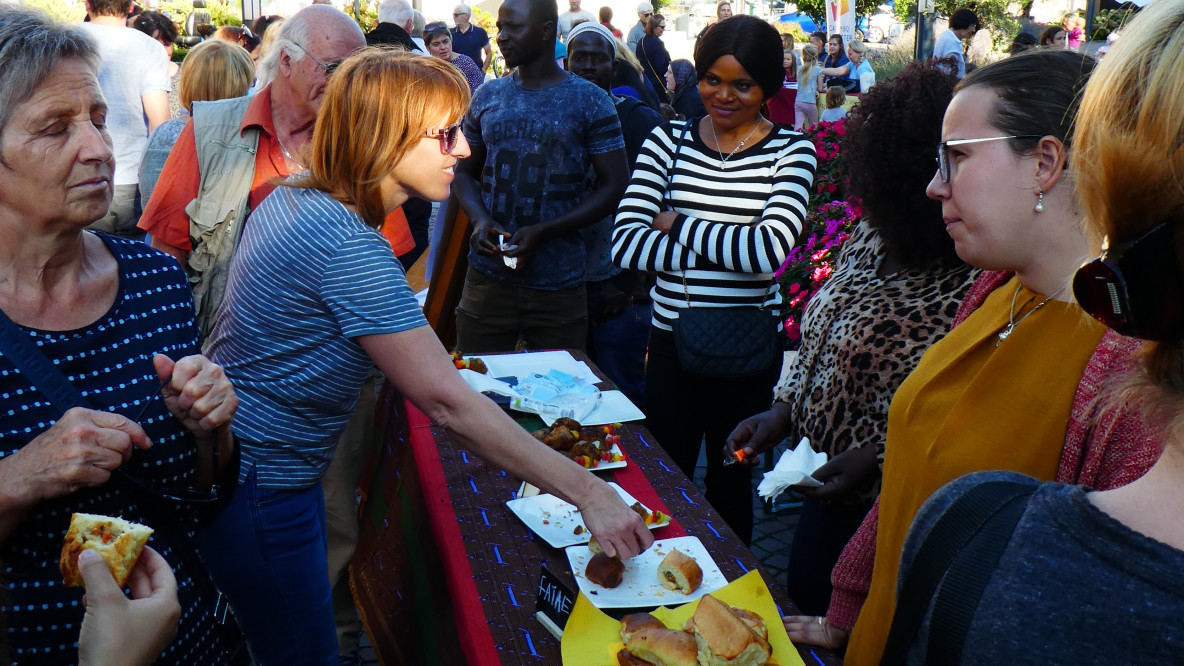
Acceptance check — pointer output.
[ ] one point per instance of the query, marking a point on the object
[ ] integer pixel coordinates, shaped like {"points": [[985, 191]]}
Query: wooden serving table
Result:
{"points": [[444, 573]]}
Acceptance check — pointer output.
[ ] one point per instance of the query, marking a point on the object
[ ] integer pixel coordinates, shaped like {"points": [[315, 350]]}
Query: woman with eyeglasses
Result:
{"points": [[315, 299], [1016, 383], [439, 43], [1095, 576], [653, 56]]}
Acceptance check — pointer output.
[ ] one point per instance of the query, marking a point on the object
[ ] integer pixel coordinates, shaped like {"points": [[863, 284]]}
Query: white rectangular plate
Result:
{"points": [[556, 521], [640, 586], [526, 364]]}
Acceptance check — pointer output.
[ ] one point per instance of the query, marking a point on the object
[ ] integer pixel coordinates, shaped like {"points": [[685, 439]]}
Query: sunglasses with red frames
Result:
{"points": [[1135, 287], [448, 136]]}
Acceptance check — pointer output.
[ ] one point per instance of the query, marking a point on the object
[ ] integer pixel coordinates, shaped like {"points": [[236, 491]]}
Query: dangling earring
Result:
{"points": [[1040, 201]]}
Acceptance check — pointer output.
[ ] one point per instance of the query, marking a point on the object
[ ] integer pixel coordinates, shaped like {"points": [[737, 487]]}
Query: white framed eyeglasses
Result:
{"points": [[943, 150]]}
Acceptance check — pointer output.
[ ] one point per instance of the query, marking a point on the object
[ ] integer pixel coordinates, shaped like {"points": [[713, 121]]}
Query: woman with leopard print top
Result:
{"points": [[896, 288]]}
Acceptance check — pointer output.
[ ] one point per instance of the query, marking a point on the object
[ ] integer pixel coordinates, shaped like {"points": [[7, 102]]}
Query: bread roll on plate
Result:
{"points": [[723, 639], [663, 647], [605, 571], [635, 622], [677, 571]]}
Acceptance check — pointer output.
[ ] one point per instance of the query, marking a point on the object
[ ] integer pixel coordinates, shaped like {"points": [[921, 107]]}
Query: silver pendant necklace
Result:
{"points": [[1011, 320], [723, 161], [284, 150]]}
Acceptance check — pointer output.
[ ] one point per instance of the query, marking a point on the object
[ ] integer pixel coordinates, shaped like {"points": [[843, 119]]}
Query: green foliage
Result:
{"points": [[1111, 20], [889, 62], [366, 16], [59, 10], [993, 15], [816, 9], [791, 28], [221, 12]]}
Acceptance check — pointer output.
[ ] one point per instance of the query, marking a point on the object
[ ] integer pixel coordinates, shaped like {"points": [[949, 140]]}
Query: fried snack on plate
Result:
{"points": [[118, 541]]}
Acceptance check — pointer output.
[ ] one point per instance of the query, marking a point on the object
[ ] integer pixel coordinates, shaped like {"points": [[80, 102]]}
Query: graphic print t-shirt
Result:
{"points": [[539, 144]]}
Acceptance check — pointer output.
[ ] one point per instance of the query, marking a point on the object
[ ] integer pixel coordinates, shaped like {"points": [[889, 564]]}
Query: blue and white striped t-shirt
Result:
{"points": [[309, 277]]}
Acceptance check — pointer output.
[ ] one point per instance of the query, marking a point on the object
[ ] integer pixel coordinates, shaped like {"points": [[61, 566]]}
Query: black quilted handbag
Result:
{"points": [[727, 342]]}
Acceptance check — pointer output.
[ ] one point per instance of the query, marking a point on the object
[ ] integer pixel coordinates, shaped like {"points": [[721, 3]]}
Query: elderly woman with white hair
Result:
{"points": [[109, 407]]}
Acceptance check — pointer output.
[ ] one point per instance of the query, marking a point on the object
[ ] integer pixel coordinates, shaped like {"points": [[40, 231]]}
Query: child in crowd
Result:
{"points": [[806, 104], [781, 105], [836, 97]]}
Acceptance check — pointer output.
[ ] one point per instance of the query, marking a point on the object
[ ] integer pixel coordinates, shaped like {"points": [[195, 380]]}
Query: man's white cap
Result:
{"points": [[644, 7]]}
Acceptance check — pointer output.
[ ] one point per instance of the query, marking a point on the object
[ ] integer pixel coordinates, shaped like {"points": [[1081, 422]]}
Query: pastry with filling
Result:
{"points": [[118, 541], [679, 572], [723, 639], [661, 647]]}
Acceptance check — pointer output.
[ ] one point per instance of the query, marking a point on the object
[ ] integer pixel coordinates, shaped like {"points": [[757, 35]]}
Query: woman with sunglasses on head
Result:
{"points": [[1015, 384], [315, 299], [1095, 577], [714, 207], [439, 42]]}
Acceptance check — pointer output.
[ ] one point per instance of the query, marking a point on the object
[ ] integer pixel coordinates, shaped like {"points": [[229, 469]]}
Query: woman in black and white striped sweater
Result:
{"points": [[715, 205]]}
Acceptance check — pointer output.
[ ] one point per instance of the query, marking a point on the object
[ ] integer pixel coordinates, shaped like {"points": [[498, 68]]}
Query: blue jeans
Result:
{"points": [[618, 344], [266, 553]]}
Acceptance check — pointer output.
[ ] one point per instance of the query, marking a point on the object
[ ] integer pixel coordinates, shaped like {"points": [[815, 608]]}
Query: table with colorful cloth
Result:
{"points": [[445, 573]]}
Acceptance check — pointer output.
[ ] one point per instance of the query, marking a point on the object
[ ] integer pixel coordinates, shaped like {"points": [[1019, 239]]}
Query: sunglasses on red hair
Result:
{"points": [[1135, 287]]}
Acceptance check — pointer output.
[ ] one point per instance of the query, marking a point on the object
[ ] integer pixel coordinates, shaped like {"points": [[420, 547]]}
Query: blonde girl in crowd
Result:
{"points": [[806, 104]]}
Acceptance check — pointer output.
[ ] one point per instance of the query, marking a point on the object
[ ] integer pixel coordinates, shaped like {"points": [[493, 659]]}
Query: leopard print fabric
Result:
{"points": [[861, 336]]}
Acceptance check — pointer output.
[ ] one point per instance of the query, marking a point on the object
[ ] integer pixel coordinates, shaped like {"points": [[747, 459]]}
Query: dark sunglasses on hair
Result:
{"points": [[1135, 287], [448, 136]]}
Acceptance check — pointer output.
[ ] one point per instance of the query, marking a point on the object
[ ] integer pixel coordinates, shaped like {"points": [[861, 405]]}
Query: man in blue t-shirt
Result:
{"points": [[533, 136], [469, 39]]}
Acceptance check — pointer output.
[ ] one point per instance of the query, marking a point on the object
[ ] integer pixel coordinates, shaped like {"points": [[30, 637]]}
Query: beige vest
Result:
{"points": [[226, 161]]}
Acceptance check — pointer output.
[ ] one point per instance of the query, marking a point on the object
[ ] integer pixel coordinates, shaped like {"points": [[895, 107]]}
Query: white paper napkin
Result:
{"points": [[793, 469]]}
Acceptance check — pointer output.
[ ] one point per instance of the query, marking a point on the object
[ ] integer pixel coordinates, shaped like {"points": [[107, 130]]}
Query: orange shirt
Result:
{"points": [[164, 217]]}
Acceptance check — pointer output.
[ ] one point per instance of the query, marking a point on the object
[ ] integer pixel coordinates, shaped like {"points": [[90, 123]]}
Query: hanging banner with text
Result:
{"points": [[840, 18]]}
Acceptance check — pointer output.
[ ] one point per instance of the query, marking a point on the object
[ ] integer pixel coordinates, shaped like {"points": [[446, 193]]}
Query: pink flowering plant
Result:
{"points": [[827, 226], [830, 178]]}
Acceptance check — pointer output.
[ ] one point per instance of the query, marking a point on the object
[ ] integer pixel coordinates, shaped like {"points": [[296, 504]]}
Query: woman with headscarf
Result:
{"points": [[684, 83]]}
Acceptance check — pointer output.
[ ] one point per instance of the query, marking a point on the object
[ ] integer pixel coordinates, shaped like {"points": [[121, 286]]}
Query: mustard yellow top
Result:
{"points": [[973, 406]]}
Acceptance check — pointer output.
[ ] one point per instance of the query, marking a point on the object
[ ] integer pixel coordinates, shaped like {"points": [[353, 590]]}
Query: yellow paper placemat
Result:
{"points": [[592, 638]]}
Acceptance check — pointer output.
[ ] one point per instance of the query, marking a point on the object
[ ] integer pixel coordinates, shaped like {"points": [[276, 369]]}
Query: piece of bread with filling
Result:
{"points": [[663, 647], [118, 541], [723, 639], [635, 622], [680, 572]]}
